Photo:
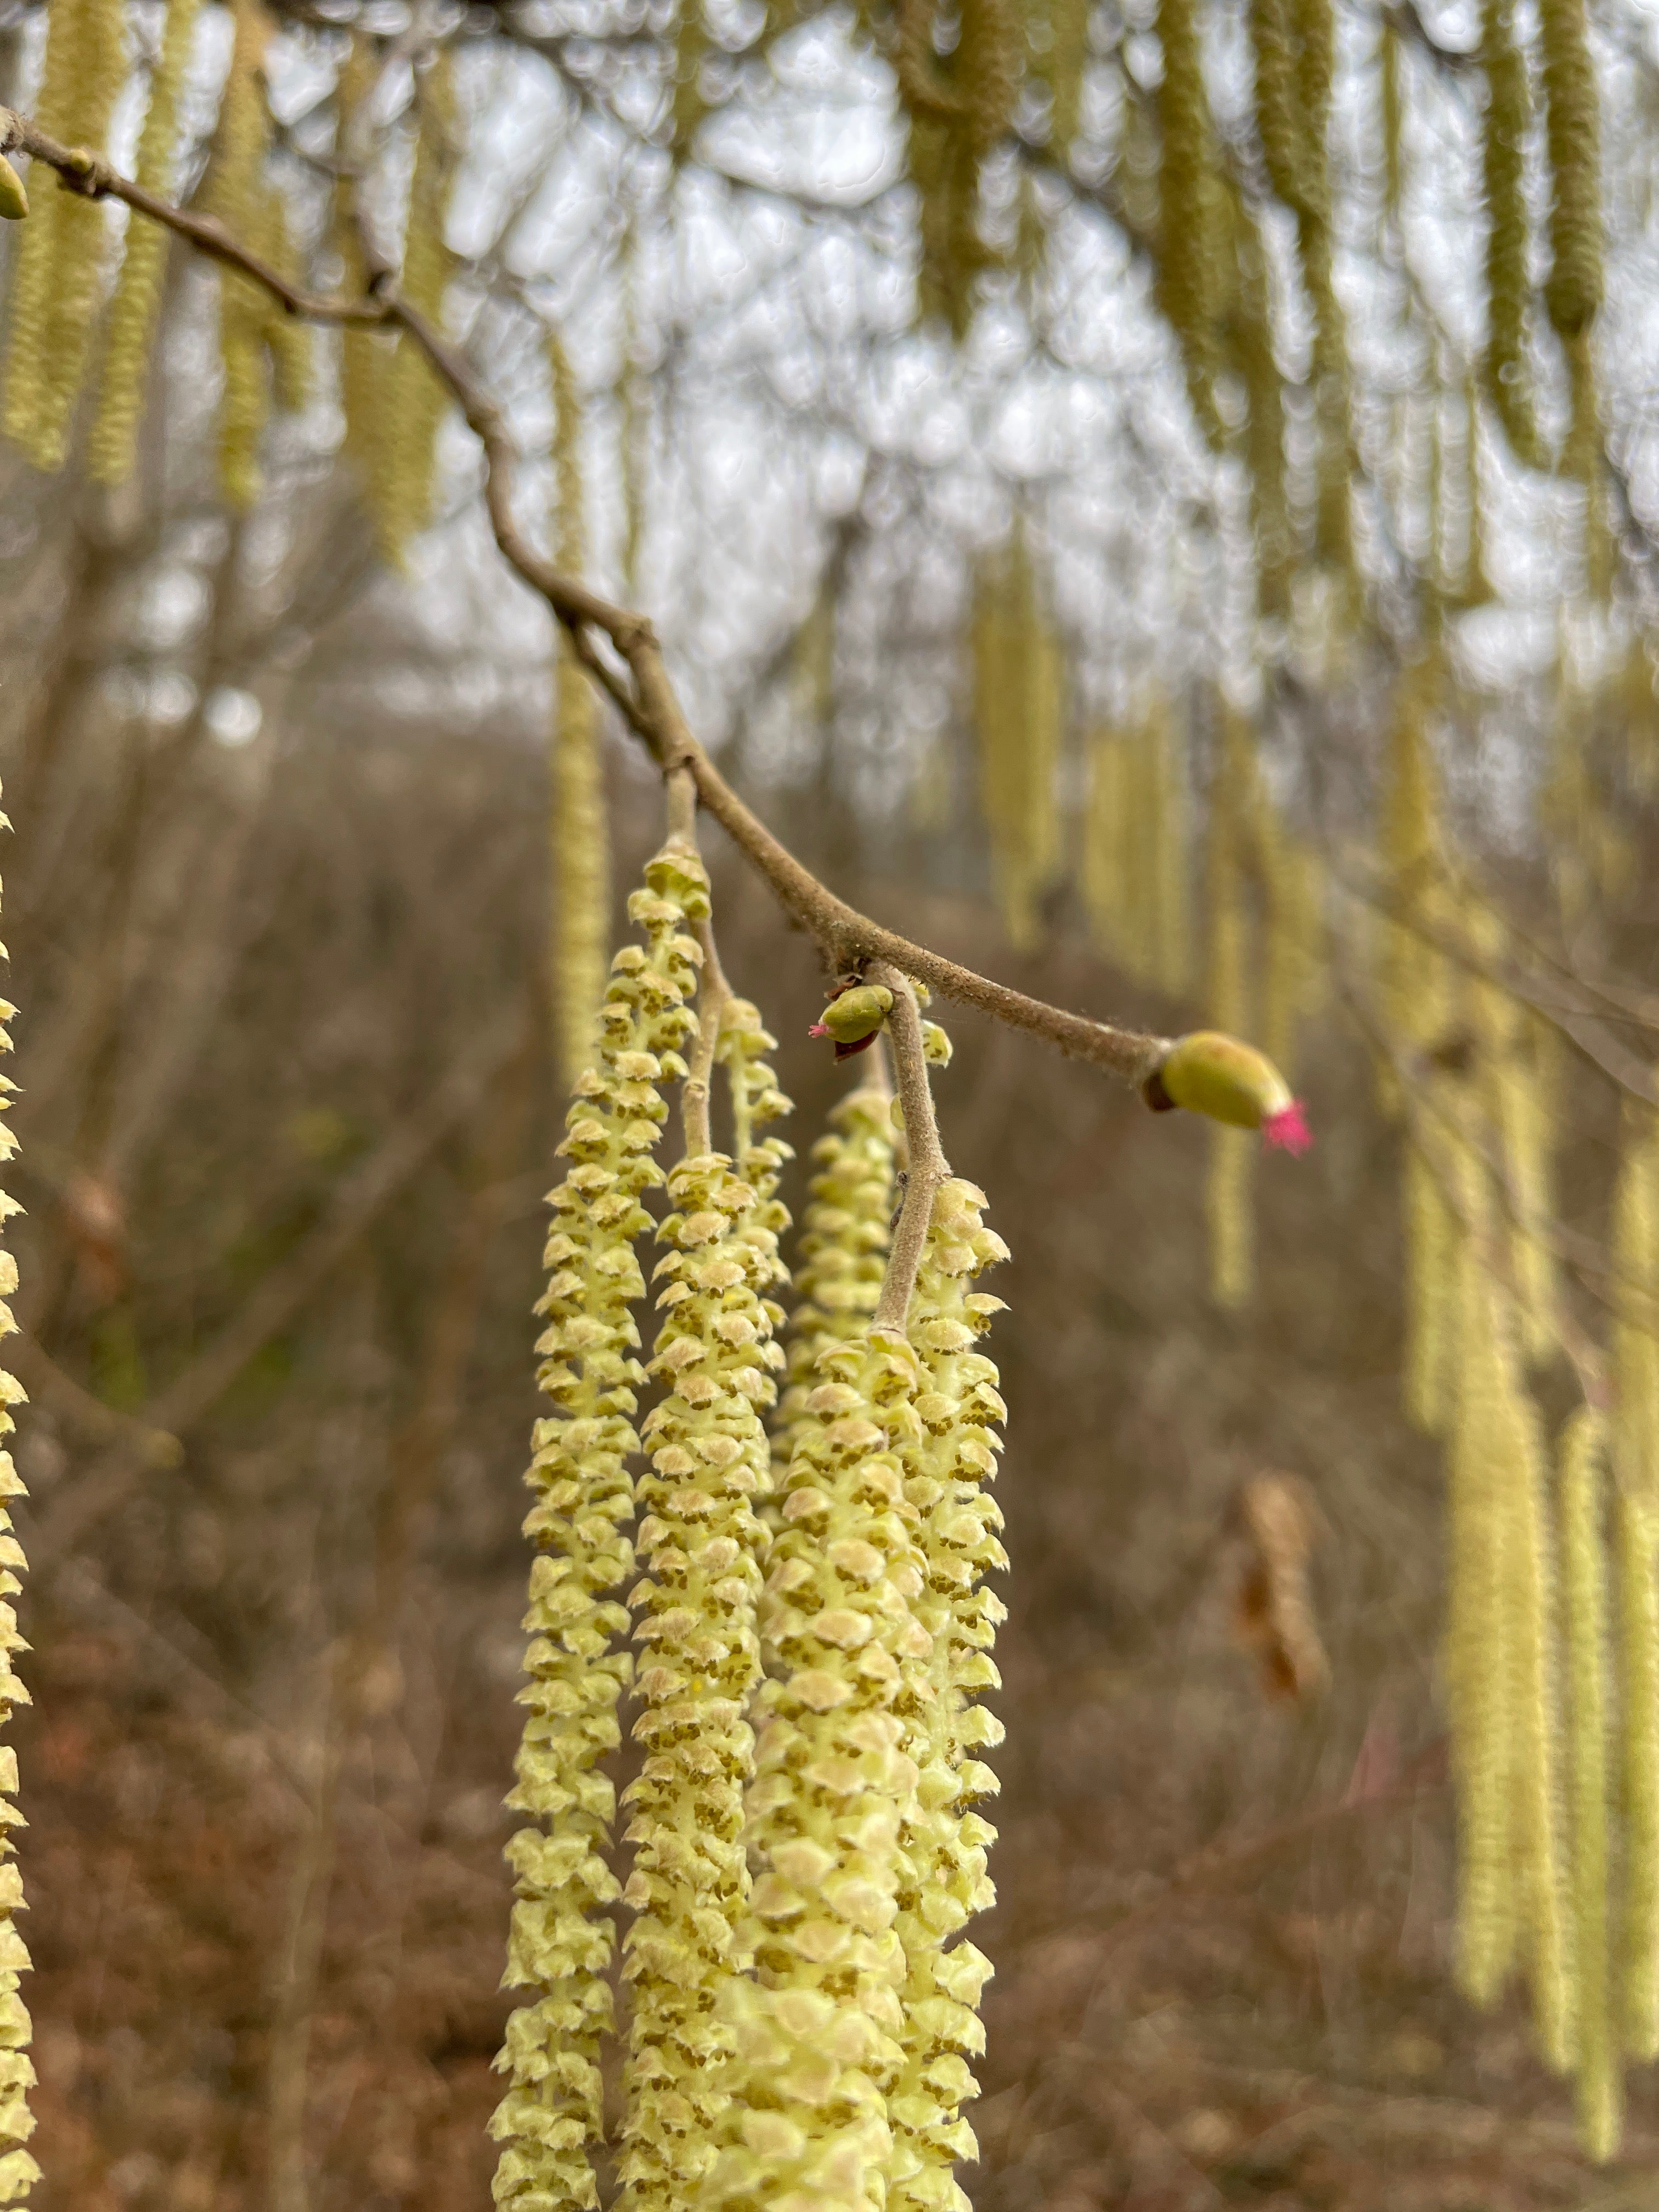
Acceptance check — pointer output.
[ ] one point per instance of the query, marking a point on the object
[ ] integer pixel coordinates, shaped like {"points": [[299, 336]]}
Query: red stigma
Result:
{"points": [[818, 1029], [1287, 1131]]}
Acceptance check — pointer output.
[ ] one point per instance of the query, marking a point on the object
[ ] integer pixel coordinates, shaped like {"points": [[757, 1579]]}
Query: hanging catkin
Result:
{"points": [[57, 276], [948, 1460], [1228, 1191], [1584, 1591], [1509, 287], [1481, 1685], [581, 830], [1388, 65], [1067, 61], [1431, 1297], [18, 2171], [815, 2034], [233, 192], [704, 1548], [111, 448], [1018, 716], [1573, 291], [1250, 335], [366, 356], [561, 1942], [843, 1251], [415, 400], [1188, 209], [1635, 1455]]}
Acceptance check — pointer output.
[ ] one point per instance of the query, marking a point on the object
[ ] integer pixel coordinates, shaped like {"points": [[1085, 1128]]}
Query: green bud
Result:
{"points": [[1209, 1073], [856, 1014], [14, 200]]}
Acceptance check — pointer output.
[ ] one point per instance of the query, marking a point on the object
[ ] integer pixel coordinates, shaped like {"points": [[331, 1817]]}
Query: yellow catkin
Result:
{"points": [[687, 106], [1573, 291], [948, 1460], [112, 446], [1583, 457], [287, 341], [233, 192], [1248, 332], [815, 2034], [1388, 103], [1584, 1591], [1066, 62], [1188, 209], [1429, 1363], [561, 1938], [842, 1252], [1509, 288], [1413, 985], [1294, 882], [580, 837], [705, 1548], [1637, 1536], [958, 109], [415, 400], [58, 274], [1481, 1684], [1531, 1614], [1228, 1194], [1477, 587], [1635, 1450], [1019, 707], [18, 2171], [1172, 926], [366, 356]]}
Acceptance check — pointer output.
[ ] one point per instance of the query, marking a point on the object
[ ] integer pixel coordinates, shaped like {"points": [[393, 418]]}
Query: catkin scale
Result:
{"points": [[560, 1941]]}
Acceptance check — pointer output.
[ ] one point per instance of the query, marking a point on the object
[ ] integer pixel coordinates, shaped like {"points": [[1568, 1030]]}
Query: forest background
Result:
{"points": [[275, 745]]}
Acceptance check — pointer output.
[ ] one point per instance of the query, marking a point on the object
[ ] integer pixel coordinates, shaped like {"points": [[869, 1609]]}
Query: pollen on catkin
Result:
{"points": [[58, 278], [113, 444], [561, 1942], [948, 1460], [1584, 1592], [581, 839], [705, 1547], [18, 2171]]}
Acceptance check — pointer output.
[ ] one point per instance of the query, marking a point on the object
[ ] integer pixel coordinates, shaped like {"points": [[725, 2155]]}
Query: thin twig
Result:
{"points": [[652, 710], [927, 1167]]}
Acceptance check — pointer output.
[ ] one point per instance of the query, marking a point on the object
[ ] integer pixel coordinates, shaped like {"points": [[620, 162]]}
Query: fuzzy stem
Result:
{"points": [[927, 1166], [712, 997]]}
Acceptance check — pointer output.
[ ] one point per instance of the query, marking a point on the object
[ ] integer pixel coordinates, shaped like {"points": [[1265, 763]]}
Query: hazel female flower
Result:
{"points": [[855, 1018], [1209, 1073]]}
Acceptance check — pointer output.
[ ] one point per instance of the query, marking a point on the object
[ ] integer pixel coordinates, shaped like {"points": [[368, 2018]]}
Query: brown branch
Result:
{"points": [[846, 937], [926, 1165]]}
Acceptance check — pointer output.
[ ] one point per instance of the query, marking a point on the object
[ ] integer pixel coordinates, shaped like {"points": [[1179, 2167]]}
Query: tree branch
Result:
{"points": [[846, 938]]}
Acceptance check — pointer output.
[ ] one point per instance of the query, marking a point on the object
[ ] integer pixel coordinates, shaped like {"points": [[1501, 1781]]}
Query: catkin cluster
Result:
{"points": [[948, 1460], [958, 106], [561, 1943], [58, 278], [704, 1546], [18, 2171], [1509, 285]]}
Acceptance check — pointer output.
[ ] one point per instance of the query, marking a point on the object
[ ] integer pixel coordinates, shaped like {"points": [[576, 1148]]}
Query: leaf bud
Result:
{"points": [[853, 1016], [1209, 1073], [14, 200]]}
